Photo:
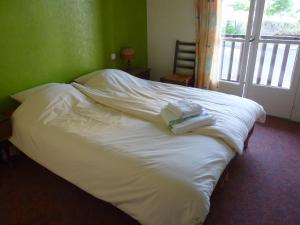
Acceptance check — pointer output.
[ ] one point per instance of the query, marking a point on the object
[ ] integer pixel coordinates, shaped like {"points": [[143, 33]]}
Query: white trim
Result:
{"points": [[278, 41], [295, 113], [248, 37], [230, 82], [233, 39], [259, 11]]}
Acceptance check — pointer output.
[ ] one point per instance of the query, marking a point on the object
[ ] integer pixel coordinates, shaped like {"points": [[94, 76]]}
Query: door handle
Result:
{"points": [[252, 39]]}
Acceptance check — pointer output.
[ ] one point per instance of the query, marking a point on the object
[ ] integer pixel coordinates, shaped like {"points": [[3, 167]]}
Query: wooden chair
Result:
{"points": [[184, 65]]}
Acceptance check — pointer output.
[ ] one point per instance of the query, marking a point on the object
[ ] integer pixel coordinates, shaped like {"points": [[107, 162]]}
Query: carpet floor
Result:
{"points": [[263, 188]]}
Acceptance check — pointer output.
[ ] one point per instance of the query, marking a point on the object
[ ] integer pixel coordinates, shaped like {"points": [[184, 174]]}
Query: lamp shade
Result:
{"points": [[127, 54]]}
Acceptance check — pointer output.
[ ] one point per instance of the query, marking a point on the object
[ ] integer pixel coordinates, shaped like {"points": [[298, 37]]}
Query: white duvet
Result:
{"points": [[137, 165], [145, 99]]}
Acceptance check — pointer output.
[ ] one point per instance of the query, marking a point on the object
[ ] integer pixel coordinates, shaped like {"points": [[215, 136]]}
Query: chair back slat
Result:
{"points": [[185, 56], [185, 67]]}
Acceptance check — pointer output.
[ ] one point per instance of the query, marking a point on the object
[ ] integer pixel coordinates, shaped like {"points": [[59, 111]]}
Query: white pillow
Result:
{"points": [[22, 95], [112, 79], [85, 78]]}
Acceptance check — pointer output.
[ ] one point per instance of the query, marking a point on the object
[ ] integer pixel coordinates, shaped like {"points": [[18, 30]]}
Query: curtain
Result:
{"points": [[207, 43]]}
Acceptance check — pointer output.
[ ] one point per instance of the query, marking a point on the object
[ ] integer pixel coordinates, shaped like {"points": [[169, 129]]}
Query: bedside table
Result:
{"points": [[5, 134], [143, 73]]}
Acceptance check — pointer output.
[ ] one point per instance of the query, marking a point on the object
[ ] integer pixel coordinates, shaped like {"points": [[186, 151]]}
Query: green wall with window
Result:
{"points": [[56, 40]]}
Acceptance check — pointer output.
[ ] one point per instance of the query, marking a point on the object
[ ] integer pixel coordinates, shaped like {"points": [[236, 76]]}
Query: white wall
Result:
{"points": [[168, 21], [296, 112]]}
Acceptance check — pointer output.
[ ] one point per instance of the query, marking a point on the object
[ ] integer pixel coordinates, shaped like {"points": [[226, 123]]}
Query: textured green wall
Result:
{"points": [[56, 40], [129, 28]]}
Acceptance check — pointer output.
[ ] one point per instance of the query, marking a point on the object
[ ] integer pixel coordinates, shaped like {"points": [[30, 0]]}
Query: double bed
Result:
{"points": [[104, 135]]}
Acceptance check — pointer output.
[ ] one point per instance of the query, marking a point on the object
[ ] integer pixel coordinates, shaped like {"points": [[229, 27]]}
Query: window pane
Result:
{"points": [[274, 25], [235, 17]]}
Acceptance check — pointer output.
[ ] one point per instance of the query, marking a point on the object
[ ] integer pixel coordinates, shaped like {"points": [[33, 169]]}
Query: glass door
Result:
{"points": [[236, 28], [260, 52], [273, 71]]}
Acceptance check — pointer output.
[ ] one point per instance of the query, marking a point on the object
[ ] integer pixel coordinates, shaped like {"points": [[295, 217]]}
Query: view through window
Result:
{"points": [[281, 21]]}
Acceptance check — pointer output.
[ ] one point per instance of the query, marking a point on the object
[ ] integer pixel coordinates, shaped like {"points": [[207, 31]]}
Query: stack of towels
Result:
{"points": [[185, 116]]}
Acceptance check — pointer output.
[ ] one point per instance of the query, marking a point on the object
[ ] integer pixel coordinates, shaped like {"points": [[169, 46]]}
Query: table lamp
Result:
{"points": [[128, 55]]}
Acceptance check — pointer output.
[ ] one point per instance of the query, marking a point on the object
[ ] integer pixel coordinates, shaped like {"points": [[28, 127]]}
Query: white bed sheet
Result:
{"points": [[138, 166]]}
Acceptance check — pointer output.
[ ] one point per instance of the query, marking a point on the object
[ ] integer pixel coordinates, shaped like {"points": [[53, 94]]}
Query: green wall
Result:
{"points": [[56, 40]]}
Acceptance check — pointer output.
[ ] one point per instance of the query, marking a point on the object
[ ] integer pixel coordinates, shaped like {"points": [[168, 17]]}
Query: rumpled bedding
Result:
{"points": [[138, 166], [235, 116]]}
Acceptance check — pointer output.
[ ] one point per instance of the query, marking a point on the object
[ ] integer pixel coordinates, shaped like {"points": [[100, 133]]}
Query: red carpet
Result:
{"points": [[263, 189], [264, 185]]}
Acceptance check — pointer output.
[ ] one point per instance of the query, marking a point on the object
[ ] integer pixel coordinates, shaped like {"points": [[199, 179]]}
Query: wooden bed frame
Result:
{"points": [[225, 175]]}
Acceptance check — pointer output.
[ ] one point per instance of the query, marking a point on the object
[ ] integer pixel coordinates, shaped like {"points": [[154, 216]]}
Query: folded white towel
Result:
{"points": [[170, 118], [193, 123], [184, 108], [167, 116]]}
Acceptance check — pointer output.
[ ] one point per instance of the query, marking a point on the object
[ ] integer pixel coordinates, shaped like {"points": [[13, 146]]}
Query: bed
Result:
{"points": [[104, 136]]}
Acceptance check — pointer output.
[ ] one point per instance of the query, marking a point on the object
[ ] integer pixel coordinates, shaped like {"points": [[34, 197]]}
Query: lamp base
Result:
{"points": [[129, 66]]}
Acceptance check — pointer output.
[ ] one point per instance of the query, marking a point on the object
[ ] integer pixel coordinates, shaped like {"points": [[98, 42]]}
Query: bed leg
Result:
{"points": [[224, 180], [246, 144], [226, 177], [247, 140]]}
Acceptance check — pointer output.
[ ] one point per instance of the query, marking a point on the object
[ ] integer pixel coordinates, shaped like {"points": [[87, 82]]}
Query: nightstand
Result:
{"points": [[5, 134], [143, 73]]}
